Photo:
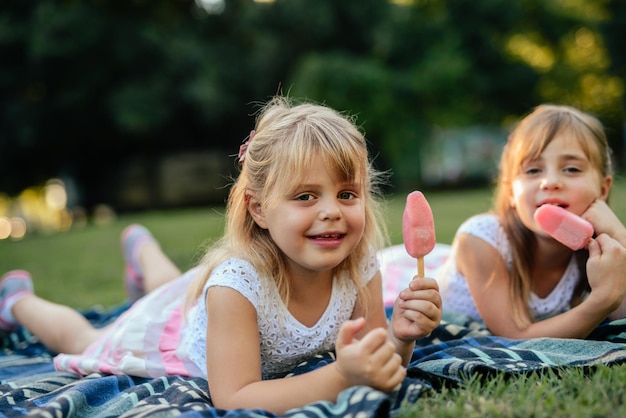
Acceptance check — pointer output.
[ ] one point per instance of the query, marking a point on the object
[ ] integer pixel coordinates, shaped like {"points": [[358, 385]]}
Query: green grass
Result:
{"points": [[83, 268], [572, 392]]}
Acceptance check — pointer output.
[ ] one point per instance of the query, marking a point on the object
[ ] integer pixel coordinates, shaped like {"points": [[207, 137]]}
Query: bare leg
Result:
{"points": [[58, 327], [157, 268], [147, 267], [63, 329]]}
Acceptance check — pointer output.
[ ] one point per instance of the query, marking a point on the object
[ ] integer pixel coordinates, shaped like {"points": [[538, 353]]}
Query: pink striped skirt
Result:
{"points": [[144, 341]]}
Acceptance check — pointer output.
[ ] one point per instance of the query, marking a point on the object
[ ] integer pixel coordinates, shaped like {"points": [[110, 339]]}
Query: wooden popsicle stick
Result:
{"points": [[420, 267]]}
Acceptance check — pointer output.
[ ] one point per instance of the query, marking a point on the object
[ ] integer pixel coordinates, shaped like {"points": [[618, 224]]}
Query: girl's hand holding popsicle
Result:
{"points": [[418, 308]]}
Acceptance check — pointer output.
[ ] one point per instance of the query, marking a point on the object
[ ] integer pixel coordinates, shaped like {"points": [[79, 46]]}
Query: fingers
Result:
{"points": [[348, 331], [605, 245], [370, 361], [422, 297], [390, 375], [383, 366], [417, 311], [374, 340], [606, 269], [594, 248], [421, 288], [607, 258], [423, 315], [423, 283]]}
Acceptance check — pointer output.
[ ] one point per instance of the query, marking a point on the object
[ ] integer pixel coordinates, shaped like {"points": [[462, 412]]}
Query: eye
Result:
{"points": [[347, 195], [305, 197], [531, 170], [572, 169]]}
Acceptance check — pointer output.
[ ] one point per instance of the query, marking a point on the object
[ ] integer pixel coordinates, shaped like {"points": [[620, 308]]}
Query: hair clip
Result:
{"points": [[244, 147]]}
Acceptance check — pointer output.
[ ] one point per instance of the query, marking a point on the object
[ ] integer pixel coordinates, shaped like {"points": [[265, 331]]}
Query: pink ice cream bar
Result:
{"points": [[418, 228], [564, 226]]}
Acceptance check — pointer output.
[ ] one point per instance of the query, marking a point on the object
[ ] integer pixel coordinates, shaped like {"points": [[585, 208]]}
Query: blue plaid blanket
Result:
{"points": [[458, 348]]}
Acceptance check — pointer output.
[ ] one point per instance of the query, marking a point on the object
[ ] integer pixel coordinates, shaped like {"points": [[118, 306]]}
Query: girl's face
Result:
{"points": [[319, 224], [562, 175]]}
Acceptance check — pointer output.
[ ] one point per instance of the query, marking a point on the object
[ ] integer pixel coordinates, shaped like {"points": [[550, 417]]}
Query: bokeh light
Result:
{"points": [[55, 194], [18, 228], [5, 227], [44, 210]]}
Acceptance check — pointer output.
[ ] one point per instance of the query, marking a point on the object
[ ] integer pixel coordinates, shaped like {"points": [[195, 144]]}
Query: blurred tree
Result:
{"points": [[86, 84], [430, 63], [451, 63], [613, 32]]}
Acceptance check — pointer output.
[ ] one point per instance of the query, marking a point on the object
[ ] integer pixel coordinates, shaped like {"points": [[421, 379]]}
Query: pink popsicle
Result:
{"points": [[418, 228], [564, 226]]}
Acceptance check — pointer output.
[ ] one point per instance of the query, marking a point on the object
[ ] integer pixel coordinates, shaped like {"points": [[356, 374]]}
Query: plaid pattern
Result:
{"points": [[29, 384]]}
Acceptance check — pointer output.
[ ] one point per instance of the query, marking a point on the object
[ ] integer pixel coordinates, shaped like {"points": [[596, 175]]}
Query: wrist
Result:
{"points": [[396, 340], [620, 237], [341, 378], [600, 304]]}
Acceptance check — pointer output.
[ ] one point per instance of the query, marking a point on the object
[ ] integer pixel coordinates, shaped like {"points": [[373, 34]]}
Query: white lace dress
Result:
{"points": [[153, 338], [285, 342], [455, 291]]}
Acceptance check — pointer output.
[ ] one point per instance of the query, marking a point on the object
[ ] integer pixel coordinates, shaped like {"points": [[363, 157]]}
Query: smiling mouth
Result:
{"points": [[328, 236]]}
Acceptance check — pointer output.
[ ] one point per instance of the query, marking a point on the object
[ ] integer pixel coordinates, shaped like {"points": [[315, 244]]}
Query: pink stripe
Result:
{"points": [[169, 341]]}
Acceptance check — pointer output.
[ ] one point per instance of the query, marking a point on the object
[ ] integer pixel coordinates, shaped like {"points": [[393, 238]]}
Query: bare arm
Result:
{"points": [[605, 221], [479, 262], [234, 368]]}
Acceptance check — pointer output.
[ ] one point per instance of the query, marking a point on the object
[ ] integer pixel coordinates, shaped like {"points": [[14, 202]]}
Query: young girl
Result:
{"points": [[294, 275], [506, 271]]}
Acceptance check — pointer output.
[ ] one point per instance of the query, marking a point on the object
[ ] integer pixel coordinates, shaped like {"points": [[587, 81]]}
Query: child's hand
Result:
{"points": [[606, 271], [605, 221], [371, 361], [417, 310]]}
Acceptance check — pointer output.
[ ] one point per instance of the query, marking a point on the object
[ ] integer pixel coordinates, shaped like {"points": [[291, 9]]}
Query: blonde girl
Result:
{"points": [[295, 275], [506, 271]]}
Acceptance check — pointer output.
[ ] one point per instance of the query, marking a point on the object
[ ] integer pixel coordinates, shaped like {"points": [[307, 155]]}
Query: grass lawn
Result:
{"points": [[83, 268]]}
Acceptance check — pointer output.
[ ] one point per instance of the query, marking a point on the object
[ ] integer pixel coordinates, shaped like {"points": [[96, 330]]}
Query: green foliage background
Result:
{"points": [[85, 84]]}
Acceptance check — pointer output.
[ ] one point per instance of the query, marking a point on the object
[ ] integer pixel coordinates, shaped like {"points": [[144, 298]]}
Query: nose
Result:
{"points": [[329, 210], [551, 181]]}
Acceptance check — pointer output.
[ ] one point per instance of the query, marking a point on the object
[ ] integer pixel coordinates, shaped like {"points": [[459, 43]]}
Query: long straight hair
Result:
{"points": [[529, 139]]}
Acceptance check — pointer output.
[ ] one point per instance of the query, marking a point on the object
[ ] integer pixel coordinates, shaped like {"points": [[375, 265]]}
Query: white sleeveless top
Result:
{"points": [[455, 291], [285, 342]]}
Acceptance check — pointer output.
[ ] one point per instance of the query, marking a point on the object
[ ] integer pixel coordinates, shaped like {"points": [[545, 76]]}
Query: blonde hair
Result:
{"points": [[287, 139], [529, 139]]}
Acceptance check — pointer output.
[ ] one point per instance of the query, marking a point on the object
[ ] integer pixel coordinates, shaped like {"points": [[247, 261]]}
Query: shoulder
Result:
{"points": [[480, 223], [239, 275], [486, 226], [483, 234], [233, 268], [369, 265]]}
